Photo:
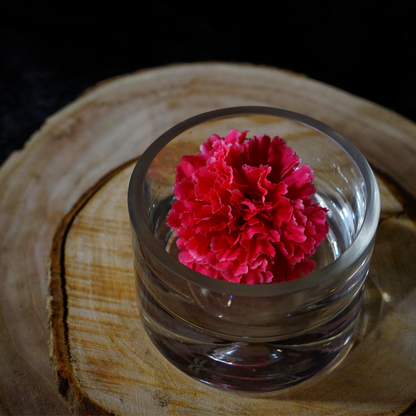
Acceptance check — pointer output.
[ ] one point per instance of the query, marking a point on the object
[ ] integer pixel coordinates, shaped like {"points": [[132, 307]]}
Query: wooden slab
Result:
{"points": [[112, 124], [106, 359]]}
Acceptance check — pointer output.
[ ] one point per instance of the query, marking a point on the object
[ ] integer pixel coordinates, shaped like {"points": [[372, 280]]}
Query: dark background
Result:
{"points": [[50, 53]]}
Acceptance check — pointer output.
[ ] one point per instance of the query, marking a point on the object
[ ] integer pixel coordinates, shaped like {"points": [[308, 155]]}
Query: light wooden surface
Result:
{"points": [[110, 125], [115, 366]]}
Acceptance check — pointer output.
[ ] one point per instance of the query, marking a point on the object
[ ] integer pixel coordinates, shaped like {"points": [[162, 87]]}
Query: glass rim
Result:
{"points": [[315, 278]]}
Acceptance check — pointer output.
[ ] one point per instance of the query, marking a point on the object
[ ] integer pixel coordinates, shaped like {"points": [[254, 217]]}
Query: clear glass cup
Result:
{"points": [[255, 337]]}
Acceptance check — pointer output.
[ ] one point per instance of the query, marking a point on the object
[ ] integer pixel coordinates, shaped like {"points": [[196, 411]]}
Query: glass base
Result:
{"points": [[251, 366]]}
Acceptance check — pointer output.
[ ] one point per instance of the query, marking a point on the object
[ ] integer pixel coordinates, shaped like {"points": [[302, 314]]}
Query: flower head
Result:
{"points": [[243, 211]]}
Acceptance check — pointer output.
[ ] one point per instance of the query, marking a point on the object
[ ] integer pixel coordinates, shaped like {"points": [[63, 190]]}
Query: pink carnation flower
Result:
{"points": [[243, 212]]}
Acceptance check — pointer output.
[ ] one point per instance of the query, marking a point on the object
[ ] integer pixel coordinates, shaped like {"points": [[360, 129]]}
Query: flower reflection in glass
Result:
{"points": [[243, 211]]}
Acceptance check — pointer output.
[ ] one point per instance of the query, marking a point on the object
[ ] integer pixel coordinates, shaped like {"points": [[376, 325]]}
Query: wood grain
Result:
{"points": [[110, 125], [114, 365]]}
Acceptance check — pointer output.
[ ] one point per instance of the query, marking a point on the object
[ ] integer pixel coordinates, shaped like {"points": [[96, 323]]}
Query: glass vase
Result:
{"points": [[255, 337]]}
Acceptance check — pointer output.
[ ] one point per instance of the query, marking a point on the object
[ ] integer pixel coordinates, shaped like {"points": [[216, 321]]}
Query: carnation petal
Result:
{"points": [[224, 266], [240, 269], [299, 183]]}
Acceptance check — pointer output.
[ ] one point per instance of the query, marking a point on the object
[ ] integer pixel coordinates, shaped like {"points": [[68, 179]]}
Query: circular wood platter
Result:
{"points": [[64, 197]]}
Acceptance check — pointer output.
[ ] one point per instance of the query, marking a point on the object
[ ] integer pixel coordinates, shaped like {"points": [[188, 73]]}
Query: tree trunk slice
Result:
{"points": [[108, 361], [57, 174]]}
